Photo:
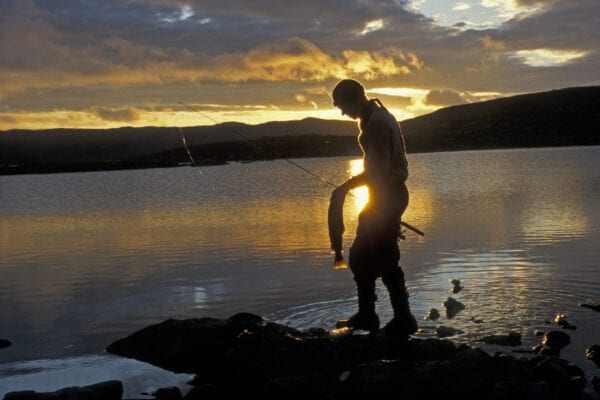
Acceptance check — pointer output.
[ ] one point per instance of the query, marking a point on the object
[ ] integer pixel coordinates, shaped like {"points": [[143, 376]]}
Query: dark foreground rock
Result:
{"points": [[109, 390], [5, 343], [244, 354]]}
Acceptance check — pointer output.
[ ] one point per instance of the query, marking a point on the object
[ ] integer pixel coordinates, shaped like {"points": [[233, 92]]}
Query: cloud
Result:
{"points": [[116, 115], [444, 97], [119, 56], [461, 7]]}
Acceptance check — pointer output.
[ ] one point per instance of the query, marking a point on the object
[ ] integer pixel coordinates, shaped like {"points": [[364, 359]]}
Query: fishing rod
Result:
{"points": [[295, 164]]}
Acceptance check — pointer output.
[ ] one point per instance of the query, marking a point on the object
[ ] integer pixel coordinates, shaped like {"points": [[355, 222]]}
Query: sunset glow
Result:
{"points": [[108, 64]]}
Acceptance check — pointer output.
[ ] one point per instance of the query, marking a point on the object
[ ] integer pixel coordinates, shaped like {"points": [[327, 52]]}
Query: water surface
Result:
{"points": [[87, 258]]}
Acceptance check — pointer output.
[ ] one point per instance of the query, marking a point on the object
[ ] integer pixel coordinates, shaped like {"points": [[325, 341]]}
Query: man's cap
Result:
{"points": [[347, 89]]}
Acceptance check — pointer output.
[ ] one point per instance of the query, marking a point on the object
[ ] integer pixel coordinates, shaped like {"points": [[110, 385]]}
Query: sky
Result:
{"points": [[109, 63]]}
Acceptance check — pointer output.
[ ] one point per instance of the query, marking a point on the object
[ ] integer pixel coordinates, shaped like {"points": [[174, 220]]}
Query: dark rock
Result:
{"points": [[446, 331], [561, 320], [596, 383], [168, 393], [31, 395], [510, 339], [183, 346], [595, 307], [456, 285], [271, 360], [538, 333], [433, 314], [568, 379], [453, 307], [476, 320], [4, 343], [202, 391], [78, 393], [109, 390], [550, 351], [593, 353], [430, 349], [556, 339]]}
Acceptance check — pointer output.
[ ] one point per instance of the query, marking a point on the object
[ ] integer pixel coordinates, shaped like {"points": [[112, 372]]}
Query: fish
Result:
{"points": [[335, 221]]}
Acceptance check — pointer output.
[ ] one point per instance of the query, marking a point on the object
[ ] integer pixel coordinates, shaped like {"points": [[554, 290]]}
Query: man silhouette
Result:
{"points": [[375, 252]]}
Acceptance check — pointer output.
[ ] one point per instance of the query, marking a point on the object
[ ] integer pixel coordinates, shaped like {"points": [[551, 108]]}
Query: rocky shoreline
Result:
{"points": [[245, 355]]}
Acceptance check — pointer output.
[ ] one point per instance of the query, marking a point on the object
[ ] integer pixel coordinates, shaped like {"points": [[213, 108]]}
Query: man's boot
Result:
{"points": [[366, 318], [403, 323]]}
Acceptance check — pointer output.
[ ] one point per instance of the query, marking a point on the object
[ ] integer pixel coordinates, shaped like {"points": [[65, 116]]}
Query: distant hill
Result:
{"points": [[557, 118], [565, 117]]}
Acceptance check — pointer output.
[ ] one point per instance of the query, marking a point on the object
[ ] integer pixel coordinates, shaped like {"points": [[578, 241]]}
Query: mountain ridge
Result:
{"points": [[561, 117]]}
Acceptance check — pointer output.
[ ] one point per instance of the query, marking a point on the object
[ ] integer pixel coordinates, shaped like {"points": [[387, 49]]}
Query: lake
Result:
{"points": [[87, 258]]}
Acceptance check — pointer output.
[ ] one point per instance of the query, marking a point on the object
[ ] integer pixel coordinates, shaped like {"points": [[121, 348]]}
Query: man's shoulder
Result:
{"points": [[380, 120]]}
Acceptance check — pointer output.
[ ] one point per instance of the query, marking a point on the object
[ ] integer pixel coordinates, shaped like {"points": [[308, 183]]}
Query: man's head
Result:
{"points": [[349, 96]]}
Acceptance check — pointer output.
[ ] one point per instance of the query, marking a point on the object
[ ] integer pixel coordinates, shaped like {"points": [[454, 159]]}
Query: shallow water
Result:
{"points": [[87, 258]]}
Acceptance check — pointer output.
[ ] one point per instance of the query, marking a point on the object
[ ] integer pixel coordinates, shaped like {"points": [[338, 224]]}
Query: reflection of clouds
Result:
{"points": [[498, 285], [549, 222]]}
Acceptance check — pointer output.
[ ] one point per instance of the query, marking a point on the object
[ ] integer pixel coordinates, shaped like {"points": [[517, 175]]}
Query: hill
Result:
{"points": [[566, 117], [563, 117]]}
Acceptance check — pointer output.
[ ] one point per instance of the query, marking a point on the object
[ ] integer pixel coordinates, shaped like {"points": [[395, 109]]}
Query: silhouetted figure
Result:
{"points": [[375, 252]]}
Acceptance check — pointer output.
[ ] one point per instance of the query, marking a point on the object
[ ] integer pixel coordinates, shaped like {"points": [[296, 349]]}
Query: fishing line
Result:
{"points": [[295, 164], [189, 153]]}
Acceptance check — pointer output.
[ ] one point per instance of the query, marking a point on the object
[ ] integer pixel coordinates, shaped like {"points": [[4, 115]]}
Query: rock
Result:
{"points": [[596, 383], [561, 320], [510, 339], [445, 331], [4, 343], [595, 307], [476, 320], [453, 307], [168, 393], [593, 353], [538, 333], [456, 288], [433, 314], [269, 360], [182, 346], [556, 339], [567, 377], [109, 390]]}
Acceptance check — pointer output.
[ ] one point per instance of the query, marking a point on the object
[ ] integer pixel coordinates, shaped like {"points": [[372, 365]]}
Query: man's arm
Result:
{"points": [[376, 159]]}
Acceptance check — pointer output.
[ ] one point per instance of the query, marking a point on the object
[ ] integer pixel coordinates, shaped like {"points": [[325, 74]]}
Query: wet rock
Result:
{"points": [[109, 390], [433, 314], [561, 320], [510, 339], [476, 320], [596, 383], [453, 307], [456, 285], [595, 307], [182, 346], [593, 353], [446, 331], [538, 333], [567, 376], [269, 360], [168, 393], [4, 343], [556, 339]]}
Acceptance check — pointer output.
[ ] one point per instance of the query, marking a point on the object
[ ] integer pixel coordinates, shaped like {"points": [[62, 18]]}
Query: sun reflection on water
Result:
{"points": [[360, 195]]}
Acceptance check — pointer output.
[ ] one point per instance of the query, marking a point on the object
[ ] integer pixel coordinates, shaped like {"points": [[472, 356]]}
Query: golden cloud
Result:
{"points": [[295, 59]]}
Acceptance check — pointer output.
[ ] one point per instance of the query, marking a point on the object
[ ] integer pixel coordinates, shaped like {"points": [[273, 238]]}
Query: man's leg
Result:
{"points": [[359, 261], [403, 323]]}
